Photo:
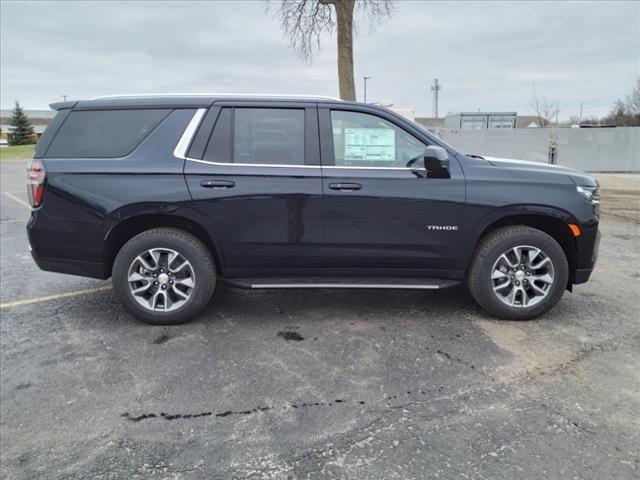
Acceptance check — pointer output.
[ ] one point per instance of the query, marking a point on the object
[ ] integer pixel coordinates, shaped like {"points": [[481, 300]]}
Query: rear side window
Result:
{"points": [[103, 133], [263, 136]]}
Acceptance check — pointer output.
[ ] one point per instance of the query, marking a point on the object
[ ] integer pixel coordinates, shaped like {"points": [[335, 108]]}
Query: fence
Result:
{"points": [[588, 149]]}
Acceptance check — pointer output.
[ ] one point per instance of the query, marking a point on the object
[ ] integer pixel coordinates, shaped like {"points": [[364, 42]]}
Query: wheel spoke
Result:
{"points": [[540, 264], [532, 254], [179, 267], [506, 260], [136, 277], [144, 263], [497, 273], [502, 286], [180, 293], [187, 282], [143, 288], [546, 278]]}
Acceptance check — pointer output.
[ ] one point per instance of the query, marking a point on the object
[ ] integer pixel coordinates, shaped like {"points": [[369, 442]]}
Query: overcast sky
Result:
{"points": [[487, 55]]}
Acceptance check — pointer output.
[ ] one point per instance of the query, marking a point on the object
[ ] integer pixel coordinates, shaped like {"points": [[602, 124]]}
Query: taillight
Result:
{"points": [[35, 182]]}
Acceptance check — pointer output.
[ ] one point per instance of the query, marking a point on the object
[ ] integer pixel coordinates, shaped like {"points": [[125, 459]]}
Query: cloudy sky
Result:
{"points": [[487, 55]]}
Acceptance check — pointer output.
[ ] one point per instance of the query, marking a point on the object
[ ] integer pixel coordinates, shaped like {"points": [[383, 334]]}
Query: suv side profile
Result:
{"points": [[169, 195]]}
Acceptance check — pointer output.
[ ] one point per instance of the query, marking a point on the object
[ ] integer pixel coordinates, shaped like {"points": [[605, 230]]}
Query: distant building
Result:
{"points": [[38, 118], [480, 120], [431, 123], [406, 112]]}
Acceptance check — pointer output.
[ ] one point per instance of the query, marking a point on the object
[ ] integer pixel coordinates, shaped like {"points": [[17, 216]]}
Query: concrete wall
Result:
{"points": [[588, 149]]}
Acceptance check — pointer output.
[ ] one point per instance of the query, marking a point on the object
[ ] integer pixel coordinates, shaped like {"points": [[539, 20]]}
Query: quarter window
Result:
{"points": [[364, 140], [103, 133]]}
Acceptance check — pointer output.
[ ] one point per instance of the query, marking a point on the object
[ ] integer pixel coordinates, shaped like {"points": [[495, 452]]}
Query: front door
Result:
{"points": [[382, 212], [255, 173]]}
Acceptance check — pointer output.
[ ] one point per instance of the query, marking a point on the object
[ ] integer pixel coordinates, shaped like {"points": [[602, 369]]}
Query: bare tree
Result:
{"points": [[305, 21], [545, 110], [626, 113]]}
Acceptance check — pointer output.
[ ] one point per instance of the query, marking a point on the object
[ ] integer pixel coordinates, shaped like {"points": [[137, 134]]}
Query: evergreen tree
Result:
{"points": [[21, 131]]}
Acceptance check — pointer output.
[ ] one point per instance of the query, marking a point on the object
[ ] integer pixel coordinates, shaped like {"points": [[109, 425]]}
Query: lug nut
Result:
{"points": [[524, 281], [155, 283], [164, 287], [170, 282], [528, 273], [155, 275], [517, 283], [162, 270]]}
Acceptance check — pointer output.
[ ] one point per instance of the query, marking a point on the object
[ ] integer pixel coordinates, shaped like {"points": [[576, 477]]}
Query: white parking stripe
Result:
{"points": [[19, 200], [54, 297]]}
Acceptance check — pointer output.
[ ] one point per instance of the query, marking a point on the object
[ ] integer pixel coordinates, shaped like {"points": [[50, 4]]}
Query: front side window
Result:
{"points": [[364, 140], [103, 133], [269, 136]]}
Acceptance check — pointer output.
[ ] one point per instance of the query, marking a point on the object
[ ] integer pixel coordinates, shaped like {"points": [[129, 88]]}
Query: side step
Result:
{"points": [[342, 282]]}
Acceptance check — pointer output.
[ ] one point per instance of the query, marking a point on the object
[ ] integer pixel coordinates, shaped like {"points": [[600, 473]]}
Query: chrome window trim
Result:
{"points": [[277, 165], [185, 140]]}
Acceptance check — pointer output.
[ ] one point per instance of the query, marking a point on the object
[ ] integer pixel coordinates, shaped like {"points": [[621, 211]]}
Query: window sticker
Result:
{"points": [[369, 144]]}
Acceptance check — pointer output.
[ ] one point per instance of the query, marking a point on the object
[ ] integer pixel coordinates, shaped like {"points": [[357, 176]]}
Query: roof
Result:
{"points": [[177, 100], [430, 122], [473, 114]]}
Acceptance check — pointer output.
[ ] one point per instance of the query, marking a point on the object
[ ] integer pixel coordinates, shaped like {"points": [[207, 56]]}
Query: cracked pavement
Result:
{"points": [[322, 384]]}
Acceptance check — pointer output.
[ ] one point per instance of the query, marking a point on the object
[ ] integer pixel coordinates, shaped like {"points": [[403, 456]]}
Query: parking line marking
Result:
{"points": [[75, 293], [19, 200], [13, 221]]}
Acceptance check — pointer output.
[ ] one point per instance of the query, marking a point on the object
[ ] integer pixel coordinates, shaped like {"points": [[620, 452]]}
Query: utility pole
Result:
{"points": [[435, 88], [365, 87], [580, 119]]}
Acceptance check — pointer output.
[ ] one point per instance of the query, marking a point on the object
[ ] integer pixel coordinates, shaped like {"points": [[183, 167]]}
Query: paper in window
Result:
{"points": [[369, 144]]}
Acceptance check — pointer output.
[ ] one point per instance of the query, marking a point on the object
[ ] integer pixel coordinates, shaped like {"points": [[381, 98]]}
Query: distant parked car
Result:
{"points": [[170, 194], [3, 143]]}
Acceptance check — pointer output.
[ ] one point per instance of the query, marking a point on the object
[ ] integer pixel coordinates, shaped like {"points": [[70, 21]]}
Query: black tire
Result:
{"points": [[191, 249], [495, 244]]}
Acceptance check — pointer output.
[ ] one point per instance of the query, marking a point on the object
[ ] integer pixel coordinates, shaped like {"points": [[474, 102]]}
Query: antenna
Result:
{"points": [[435, 88]]}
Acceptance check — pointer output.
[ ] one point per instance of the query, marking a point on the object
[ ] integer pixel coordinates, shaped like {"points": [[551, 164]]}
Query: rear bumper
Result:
{"points": [[71, 267], [65, 246]]}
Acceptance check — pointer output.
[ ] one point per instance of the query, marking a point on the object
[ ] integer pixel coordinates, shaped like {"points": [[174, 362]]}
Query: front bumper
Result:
{"points": [[582, 274]]}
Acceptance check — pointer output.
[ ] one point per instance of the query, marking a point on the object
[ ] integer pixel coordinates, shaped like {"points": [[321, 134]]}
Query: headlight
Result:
{"points": [[590, 194]]}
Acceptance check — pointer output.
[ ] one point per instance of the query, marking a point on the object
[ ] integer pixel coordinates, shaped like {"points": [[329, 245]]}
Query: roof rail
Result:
{"points": [[250, 95]]}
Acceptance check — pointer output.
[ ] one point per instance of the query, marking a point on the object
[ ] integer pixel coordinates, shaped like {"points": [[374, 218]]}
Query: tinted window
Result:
{"points": [[363, 140], [219, 146], [103, 133], [49, 132], [268, 135]]}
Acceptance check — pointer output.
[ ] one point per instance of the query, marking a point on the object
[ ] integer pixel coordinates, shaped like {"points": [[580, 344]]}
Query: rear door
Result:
{"points": [[254, 169], [383, 214]]}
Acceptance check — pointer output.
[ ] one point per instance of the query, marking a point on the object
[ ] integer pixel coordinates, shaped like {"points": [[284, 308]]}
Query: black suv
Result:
{"points": [[169, 195]]}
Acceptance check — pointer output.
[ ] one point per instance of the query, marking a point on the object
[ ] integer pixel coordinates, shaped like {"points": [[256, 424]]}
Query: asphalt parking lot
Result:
{"points": [[320, 384]]}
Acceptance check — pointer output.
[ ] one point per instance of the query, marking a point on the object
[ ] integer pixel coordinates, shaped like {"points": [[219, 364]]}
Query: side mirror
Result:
{"points": [[436, 162]]}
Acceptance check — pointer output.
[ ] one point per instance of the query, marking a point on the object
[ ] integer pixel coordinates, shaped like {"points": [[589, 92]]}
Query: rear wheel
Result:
{"points": [[164, 276], [518, 273]]}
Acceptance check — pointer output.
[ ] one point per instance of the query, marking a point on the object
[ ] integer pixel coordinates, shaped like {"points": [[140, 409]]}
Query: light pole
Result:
{"points": [[64, 97], [580, 119], [365, 87]]}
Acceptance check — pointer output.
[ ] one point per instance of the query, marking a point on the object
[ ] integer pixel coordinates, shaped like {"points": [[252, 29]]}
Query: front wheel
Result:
{"points": [[164, 276], [518, 273]]}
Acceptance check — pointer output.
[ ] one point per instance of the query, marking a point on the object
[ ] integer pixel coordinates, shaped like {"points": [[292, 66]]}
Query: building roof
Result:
{"points": [[430, 122]]}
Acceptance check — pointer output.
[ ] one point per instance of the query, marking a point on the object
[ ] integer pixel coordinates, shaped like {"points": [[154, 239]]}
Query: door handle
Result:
{"points": [[218, 184], [345, 187]]}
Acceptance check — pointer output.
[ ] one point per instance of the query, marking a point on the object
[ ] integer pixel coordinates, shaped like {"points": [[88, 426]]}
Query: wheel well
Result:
{"points": [[553, 227], [129, 228]]}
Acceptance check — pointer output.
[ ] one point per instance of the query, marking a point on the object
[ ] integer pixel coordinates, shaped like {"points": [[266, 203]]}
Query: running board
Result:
{"points": [[343, 282]]}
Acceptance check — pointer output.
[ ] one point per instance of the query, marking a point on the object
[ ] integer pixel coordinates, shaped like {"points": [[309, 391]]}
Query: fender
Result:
{"points": [[476, 230]]}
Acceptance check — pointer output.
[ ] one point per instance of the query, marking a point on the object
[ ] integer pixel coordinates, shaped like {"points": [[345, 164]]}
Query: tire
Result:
{"points": [[161, 299], [528, 301]]}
